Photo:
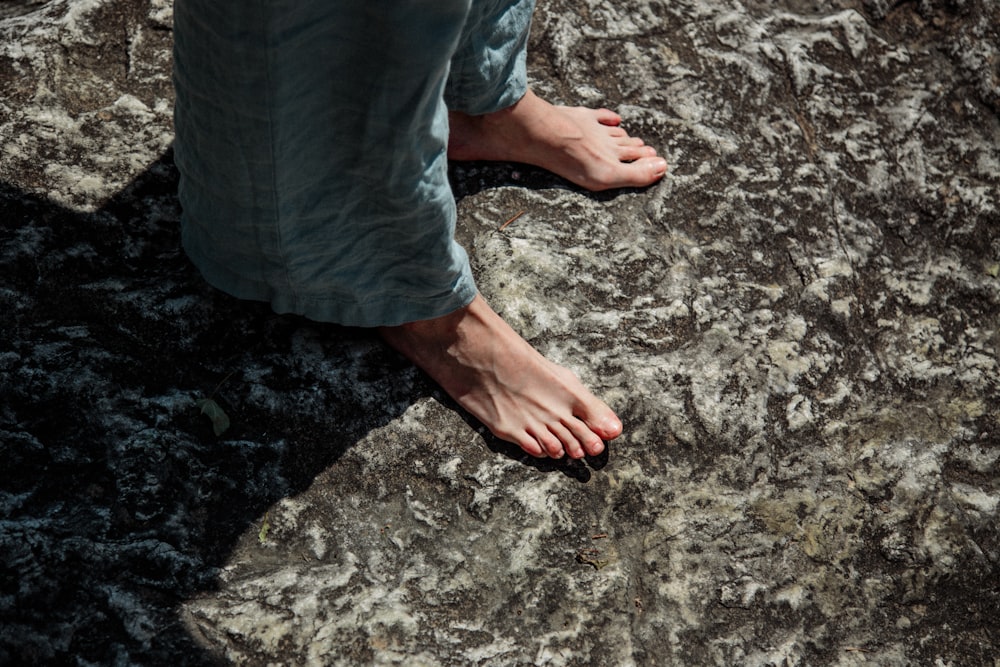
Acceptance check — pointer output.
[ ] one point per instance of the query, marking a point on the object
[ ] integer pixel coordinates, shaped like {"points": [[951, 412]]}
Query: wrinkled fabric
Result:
{"points": [[489, 69], [311, 138]]}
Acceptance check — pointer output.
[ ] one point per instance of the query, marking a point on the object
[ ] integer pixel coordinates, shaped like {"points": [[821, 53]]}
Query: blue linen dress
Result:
{"points": [[311, 139]]}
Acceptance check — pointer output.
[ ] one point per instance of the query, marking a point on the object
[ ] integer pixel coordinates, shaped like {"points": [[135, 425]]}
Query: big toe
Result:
{"points": [[640, 173], [601, 420], [608, 427], [647, 170]]}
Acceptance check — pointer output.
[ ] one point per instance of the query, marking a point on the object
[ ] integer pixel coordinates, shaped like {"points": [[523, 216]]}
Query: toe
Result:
{"points": [[608, 428], [528, 444], [589, 442], [571, 442], [549, 442], [627, 174], [607, 117], [634, 152], [646, 170], [597, 418]]}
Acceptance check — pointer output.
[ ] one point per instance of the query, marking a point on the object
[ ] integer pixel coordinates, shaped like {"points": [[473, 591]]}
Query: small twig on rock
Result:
{"points": [[510, 220]]}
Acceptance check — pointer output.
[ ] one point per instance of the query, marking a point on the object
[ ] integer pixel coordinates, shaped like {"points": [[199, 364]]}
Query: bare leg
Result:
{"points": [[497, 376], [585, 146]]}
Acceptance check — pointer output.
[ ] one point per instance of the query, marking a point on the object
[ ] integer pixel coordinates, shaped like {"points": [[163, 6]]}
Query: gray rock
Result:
{"points": [[798, 327]]}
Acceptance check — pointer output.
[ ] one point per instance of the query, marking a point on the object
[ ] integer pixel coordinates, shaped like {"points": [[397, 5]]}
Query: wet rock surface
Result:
{"points": [[798, 328]]}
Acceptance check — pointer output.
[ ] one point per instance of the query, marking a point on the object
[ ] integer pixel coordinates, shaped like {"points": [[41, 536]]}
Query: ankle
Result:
{"points": [[439, 332]]}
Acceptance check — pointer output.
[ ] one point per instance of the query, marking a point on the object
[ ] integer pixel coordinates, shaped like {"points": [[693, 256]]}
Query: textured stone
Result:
{"points": [[798, 327]]}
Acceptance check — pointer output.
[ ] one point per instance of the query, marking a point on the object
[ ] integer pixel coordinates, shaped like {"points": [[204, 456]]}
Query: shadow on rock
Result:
{"points": [[470, 178], [118, 499]]}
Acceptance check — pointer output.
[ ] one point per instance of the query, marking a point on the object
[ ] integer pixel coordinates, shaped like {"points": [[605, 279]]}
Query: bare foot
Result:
{"points": [[585, 146], [497, 376]]}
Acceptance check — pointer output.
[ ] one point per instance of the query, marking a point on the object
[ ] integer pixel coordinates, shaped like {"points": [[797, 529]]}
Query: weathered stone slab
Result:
{"points": [[798, 327]]}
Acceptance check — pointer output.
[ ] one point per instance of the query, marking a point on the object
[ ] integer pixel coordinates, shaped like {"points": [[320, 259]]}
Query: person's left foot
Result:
{"points": [[585, 146]]}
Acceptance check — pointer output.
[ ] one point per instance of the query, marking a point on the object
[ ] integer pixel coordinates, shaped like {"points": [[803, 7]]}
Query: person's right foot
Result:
{"points": [[504, 382]]}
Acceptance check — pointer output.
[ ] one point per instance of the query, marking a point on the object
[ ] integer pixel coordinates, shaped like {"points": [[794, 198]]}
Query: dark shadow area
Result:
{"points": [[118, 500], [9, 8], [470, 178]]}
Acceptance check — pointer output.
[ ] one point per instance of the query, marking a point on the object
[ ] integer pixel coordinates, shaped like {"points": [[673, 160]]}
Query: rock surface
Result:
{"points": [[798, 327]]}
